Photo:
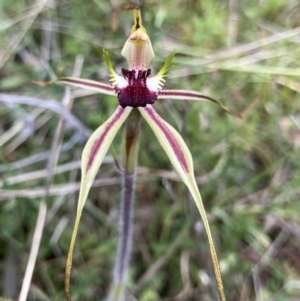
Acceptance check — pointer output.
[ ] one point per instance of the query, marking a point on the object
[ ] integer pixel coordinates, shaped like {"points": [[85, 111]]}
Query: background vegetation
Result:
{"points": [[243, 53]]}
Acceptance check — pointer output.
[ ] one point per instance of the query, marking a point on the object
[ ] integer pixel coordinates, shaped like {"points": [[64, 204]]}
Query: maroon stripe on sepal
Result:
{"points": [[98, 142], [182, 93], [170, 137], [91, 84]]}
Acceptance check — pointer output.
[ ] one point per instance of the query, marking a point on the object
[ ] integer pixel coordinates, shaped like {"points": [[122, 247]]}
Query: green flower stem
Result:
{"points": [[130, 148]]}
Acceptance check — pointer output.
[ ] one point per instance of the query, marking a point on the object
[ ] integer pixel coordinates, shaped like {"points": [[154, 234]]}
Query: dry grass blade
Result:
{"points": [[159, 263], [37, 9], [52, 162], [51, 105], [55, 190]]}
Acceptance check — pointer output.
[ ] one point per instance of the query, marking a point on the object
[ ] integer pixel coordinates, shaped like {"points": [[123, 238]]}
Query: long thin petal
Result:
{"points": [[92, 157], [181, 159], [81, 83], [167, 65], [192, 95]]}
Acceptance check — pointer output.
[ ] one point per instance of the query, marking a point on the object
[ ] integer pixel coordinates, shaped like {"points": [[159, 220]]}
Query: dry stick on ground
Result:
{"points": [[52, 162]]}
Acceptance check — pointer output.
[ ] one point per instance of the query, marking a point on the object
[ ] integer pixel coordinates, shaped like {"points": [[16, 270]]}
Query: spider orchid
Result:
{"points": [[137, 92]]}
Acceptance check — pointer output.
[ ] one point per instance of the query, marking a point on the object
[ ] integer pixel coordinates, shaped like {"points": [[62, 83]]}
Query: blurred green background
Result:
{"points": [[243, 53]]}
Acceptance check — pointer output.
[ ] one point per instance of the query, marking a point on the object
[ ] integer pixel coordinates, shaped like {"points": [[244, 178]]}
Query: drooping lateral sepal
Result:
{"points": [[181, 159], [192, 95], [80, 83], [92, 157]]}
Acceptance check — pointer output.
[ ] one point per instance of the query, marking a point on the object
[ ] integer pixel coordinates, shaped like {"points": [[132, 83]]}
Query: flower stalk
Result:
{"points": [[130, 148]]}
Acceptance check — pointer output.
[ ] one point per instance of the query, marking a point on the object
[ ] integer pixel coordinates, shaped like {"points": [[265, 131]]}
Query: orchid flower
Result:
{"points": [[136, 91]]}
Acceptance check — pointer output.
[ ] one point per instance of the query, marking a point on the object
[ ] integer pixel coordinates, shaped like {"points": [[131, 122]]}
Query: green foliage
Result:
{"points": [[248, 169]]}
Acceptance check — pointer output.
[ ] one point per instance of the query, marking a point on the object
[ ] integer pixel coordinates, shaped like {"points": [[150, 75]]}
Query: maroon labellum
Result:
{"points": [[136, 93]]}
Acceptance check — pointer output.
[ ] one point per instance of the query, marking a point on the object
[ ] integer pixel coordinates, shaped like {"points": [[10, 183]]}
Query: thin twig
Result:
{"points": [[49, 104]]}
